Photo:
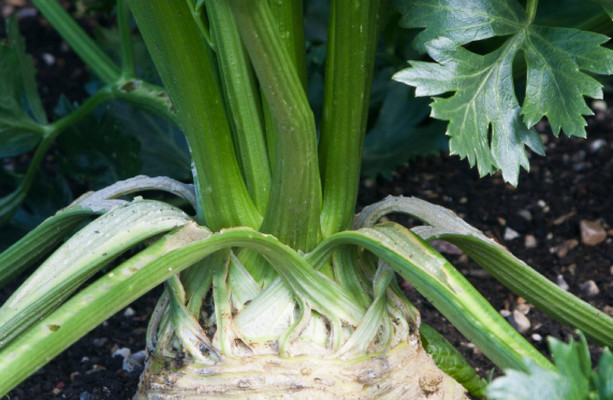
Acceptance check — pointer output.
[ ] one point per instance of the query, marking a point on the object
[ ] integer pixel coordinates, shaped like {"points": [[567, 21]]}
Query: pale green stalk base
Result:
{"points": [[404, 372]]}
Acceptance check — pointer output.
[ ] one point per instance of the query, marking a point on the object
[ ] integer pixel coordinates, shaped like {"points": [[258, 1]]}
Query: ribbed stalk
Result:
{"points": [[243, 101], [183, 61], [295, 198], [350, 58], [289, 18]]}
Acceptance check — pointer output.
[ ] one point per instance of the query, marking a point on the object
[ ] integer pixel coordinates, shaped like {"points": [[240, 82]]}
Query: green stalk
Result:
{"points": [[57, 127], [127, 52], [289, 18], [295, 198], [350, 58], [80, 42], [195, 8], [531, 7], [243, 101], [184, 63]]}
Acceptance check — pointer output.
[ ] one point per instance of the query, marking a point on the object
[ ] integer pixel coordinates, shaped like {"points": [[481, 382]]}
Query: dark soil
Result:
{"points": [[573, 183]]}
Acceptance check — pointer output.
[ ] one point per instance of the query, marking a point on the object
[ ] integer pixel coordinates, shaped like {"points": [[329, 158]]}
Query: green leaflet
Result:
{"points": [[460, 20], [574, 379], [484, 97]]}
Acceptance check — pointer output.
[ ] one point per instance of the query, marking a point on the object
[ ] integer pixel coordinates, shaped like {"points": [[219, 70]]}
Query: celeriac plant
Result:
{"points": [[272, 286]]}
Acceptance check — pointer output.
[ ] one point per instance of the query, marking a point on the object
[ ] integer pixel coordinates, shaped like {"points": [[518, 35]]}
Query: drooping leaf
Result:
{"points": [[487, 124]]}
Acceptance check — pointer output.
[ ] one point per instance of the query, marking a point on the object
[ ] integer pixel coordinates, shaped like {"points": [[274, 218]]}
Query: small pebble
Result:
{"points": [[525, 214], [608, 310], [611, 270], [597, 145], [599, 105], [524, 308], [130, 360], [99, 342], [129, 312], [501, 221], [590, 288], [565, 247], [562, 283], [27, 12], [530, 242], [536, 337], [505, 313], [85, 396], [510, 234], [592, 233], [519, 321], [48, 58]]}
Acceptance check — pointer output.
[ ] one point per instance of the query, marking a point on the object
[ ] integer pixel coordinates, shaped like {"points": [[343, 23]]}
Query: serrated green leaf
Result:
{"points": [[483, 97], [538, 383], [573, 362], [555, 86], [459, 20], [570, 382]]}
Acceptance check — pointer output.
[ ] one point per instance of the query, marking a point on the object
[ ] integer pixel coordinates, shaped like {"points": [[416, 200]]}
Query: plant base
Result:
{"points": [[403, 373]]}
